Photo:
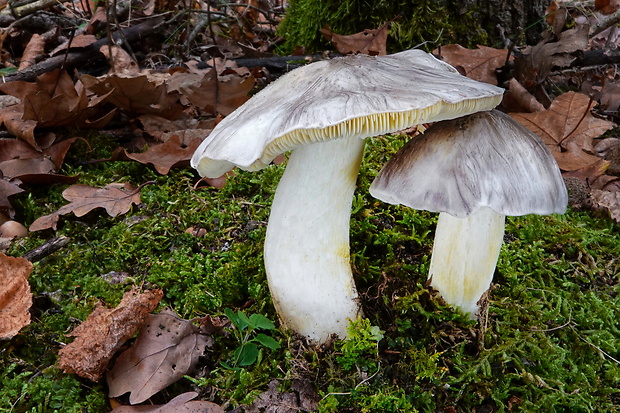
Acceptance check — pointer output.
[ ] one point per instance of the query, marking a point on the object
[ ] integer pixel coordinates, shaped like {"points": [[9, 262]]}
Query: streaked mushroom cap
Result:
{"points": [[356, 95], [482, 160]]}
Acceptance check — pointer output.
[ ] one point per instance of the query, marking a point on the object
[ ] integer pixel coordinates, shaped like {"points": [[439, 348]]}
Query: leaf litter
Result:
{"points": [[166, 348], [105, 330], [15, 296]]}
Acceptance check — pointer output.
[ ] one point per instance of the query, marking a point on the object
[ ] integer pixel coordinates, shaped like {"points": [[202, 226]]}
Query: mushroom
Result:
{"points": [[474, 171], [323, 112]]}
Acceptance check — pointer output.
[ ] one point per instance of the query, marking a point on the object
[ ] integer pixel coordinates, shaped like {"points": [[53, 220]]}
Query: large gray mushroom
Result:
{"points": [[474, 170], [323, 112]]}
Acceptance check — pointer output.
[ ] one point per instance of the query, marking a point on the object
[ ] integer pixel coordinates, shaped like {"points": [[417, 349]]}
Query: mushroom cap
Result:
{"points": [[482, 160], [356, 95]]}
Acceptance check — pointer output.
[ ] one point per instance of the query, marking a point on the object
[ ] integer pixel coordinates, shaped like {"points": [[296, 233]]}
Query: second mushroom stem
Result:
{"points": [[465, 254], [307, 241]]}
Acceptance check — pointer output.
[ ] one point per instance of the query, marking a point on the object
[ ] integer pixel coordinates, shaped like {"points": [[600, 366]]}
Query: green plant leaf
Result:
{"points": [[245, 320], [260, 321], [235, 319], [267, 341], [247, 354]]}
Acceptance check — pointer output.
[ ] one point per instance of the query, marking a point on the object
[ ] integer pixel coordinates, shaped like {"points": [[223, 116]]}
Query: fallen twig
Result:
{"points": [[50, 247]]}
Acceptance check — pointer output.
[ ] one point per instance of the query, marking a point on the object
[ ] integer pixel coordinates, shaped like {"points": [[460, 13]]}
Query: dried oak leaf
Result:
{"points": [[568, 129], [371, 42], [116, 198], [478, 64], [163, 129], [104, 332], [215, 94], [302, 398], [7, 190], [175, 152], [167, 348], [137, 95], [180, 404], [51, 101], [606, 202], [34, 49], [551, 52], [15, 296]]}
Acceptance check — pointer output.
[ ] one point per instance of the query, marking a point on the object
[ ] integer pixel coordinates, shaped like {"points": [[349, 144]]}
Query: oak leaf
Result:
{"points": [[181, 404], [167, 348], [104, 332], [606, 202], [137, 95], [15, 296], [115, 198], [568, 128], [371, 42], [7, 190], [175, 152], [478, 64], [302, 397]]}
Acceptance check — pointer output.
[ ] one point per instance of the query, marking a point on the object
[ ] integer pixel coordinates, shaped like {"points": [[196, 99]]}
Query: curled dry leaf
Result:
{"points": [[15, 297], [34, 48], [180, 404], [104, 332], [606, 202], [478, 64], [166, 349], [116, 198], [302, 398], [7, 190], [175, 152], [371, 42], [137, 95], [568, 129]]}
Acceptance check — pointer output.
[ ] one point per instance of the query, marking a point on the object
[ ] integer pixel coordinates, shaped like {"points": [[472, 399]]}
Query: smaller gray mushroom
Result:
{"points": [[474, 171]]}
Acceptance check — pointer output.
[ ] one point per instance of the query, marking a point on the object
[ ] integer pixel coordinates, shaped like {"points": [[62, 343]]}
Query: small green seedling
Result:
{"points": [[247, 352]]}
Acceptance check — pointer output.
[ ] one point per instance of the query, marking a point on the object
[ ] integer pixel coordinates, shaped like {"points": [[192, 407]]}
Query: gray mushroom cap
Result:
{"points": [[482, 160], [356, 95]]}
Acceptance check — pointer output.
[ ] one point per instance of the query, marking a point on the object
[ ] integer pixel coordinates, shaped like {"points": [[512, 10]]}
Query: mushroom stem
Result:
{"points": [[307, 240], [464, 257]]}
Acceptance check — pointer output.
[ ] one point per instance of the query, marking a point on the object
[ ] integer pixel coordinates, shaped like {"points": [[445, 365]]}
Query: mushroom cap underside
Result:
{"points": [[356, 95], [482, 160]]}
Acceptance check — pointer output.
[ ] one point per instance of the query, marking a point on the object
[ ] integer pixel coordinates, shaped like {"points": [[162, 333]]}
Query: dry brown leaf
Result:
{"points": [[590, 173], [78, 42], [104, 332], [7, 190], [180, 404], [15, 296], [606, 202], [175, 152], [538, 61], [121, 61], [137, 95], [371, 42], [519, 99], [215, 94], [166, 349], [116, 198], [11, 117], [568, 129], [51, 101], [34, 49], [302, 398], [478, 64]]}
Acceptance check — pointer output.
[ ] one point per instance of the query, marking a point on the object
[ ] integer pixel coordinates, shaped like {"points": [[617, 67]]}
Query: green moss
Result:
{"points": [[414, 22]]}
